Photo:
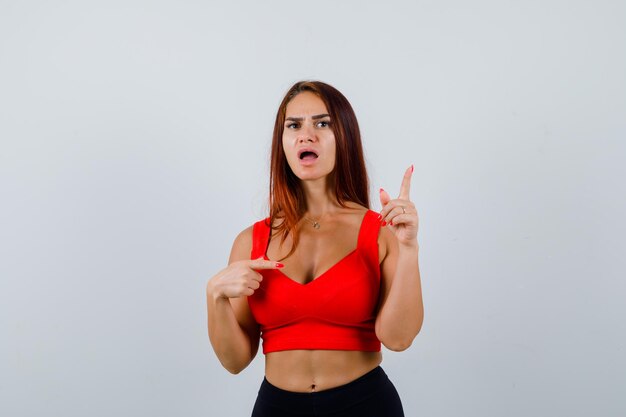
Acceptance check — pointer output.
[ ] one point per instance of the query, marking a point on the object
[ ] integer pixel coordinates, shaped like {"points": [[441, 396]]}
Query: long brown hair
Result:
{"points": [[286, 197]]}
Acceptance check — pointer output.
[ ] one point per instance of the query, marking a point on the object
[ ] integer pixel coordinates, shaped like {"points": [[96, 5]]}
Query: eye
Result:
{"points": [[291, 125], [323, 123]]}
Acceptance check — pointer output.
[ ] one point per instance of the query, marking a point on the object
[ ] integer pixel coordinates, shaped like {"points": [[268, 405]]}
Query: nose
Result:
{"points": [[306, 135]]}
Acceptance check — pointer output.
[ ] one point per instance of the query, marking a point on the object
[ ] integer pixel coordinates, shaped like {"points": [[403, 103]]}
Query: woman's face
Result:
{"points": [[308, 140]]}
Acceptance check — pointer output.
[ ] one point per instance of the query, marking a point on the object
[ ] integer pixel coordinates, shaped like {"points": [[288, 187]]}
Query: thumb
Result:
{"points": [[384, 197]]}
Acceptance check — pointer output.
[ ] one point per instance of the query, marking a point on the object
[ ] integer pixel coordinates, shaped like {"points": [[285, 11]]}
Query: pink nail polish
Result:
{"points": [[381, 190], [411, 168]]}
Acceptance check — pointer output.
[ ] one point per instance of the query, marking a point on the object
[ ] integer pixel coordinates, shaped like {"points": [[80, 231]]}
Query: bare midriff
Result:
{"points": [[317, 370]]}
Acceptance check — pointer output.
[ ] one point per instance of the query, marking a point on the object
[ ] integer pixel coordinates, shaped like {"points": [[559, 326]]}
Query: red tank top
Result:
{"points": [[336, 310]]}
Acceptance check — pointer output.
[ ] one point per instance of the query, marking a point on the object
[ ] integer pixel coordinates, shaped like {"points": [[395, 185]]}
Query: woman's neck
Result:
{"points": [[319, 197]]}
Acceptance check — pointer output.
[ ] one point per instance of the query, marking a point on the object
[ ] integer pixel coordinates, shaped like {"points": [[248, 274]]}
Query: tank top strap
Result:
{"points": [[368, 237], [260, 238]]}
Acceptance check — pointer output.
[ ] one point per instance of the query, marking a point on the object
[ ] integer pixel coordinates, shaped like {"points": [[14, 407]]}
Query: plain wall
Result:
{"points": [[135, 147]]}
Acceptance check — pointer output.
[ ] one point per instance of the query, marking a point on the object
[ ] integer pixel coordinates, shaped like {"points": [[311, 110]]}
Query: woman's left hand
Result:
{"points": [[400, 213]]}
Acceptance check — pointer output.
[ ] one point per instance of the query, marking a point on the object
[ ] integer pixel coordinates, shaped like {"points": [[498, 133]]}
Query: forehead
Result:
{"points": [[305, 103]]}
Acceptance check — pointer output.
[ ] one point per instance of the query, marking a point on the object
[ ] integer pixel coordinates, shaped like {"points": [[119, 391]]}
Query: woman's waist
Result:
{"points": [[317, 370]]}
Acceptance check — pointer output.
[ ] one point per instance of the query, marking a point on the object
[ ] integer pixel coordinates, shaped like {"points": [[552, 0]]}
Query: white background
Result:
{"points": [[135, 146]]}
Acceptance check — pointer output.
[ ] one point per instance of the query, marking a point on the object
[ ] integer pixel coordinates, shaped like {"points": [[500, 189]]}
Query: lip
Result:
{"points": [[308, 162], [315, 151]]}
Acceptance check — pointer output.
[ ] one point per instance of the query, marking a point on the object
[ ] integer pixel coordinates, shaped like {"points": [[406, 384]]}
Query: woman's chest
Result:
{"points": [[315, 255], [347, 292]]}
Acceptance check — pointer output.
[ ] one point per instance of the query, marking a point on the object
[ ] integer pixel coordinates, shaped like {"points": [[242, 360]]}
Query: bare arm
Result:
{"points": [[401, 312], [233, 332]]}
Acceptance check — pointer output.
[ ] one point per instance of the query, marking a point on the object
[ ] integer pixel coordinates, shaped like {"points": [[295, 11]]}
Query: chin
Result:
{"points": [[310, 174]]}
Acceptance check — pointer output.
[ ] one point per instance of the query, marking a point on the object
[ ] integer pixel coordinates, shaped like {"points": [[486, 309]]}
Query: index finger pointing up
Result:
{"points": [[405, 188]]}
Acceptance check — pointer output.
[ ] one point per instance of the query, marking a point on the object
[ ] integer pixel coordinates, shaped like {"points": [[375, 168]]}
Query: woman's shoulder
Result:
{"points": [[355, 207], [244, 241], [242, 244], [356, 210], [247, 233]]}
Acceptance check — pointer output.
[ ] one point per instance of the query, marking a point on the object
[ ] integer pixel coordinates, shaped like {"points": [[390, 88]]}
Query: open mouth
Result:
{"points": [[308, 155]]}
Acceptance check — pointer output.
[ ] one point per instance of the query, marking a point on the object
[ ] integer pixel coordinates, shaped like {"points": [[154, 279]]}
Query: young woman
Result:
{"points": [[323, 280]]}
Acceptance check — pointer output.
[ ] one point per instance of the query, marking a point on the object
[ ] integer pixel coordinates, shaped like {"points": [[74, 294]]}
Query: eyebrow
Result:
{"points": [[299, 119]]}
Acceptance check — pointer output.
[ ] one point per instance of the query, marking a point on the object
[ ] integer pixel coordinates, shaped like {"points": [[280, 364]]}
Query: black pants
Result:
{"points": [[371, 395]]}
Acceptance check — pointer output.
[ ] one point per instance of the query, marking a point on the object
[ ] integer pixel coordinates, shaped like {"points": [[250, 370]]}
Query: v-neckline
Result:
{"points": [[333, 266]]}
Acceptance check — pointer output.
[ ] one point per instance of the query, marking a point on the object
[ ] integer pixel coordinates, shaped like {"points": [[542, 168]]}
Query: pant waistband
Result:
{"points": [[354, 391]]}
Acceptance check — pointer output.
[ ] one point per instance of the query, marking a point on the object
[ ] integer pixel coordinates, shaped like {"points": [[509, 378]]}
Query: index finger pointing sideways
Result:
{"points": [[264, 264]]}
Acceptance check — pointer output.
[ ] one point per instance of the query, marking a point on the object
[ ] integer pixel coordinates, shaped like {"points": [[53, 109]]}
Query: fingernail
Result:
{"points": [[279, 265], [411, 168], [384, 224], [380, 216], [381, 190], [391, 223]]}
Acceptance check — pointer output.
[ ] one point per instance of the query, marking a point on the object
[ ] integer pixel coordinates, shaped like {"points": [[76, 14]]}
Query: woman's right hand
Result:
{"points": [[240, 278]]}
